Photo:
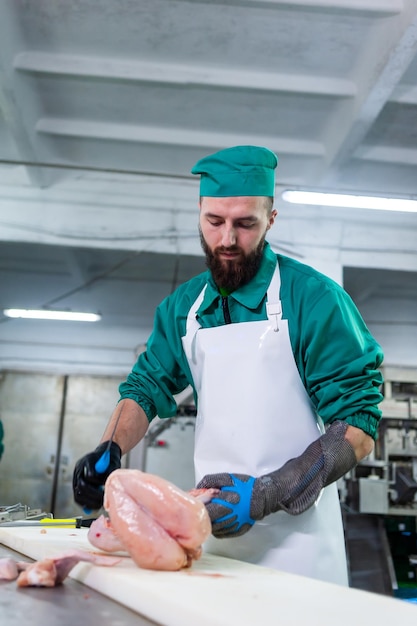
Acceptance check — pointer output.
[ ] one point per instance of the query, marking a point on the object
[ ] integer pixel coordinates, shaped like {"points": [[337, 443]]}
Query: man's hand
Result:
{"points": [[87, 483], [293, 488], [231, 511]]}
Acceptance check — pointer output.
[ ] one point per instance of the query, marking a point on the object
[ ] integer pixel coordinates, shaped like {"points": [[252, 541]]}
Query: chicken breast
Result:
{"points": [[160, 526]]}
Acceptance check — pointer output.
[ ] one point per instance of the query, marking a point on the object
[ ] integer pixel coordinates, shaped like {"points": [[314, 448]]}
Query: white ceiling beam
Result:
{"points": [[378, 7], [178, 74], [12, 105], [402, 55], [405, 94], [77, 271], [172, 136], [21, 138], [369, 6], [387, 154]]}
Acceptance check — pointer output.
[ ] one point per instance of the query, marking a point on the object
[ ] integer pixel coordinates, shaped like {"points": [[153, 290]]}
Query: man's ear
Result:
{"points": [[272, 217]]}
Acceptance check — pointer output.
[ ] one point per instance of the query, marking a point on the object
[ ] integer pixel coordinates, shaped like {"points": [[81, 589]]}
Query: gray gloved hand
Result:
{"points": [[293, 488], [231, 510]]}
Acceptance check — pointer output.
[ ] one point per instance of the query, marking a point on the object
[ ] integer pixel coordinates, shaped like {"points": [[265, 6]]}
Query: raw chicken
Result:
{"points": [[52, 571], [102, 536], [101, 533], [160, 526]]}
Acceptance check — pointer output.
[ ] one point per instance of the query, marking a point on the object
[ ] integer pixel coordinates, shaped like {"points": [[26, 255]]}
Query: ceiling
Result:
{"points": [[105, 107]]}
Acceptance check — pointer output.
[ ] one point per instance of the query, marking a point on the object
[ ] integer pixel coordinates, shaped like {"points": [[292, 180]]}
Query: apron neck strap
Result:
{"points": [[273, 302], [192, 314]]}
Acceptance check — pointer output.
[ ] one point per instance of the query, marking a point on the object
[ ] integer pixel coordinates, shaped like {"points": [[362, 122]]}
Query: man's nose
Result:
{"points": [[228, 237]]}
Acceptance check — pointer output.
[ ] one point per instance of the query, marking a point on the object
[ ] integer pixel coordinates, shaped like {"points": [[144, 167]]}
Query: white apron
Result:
{"points": [[253, 415]]}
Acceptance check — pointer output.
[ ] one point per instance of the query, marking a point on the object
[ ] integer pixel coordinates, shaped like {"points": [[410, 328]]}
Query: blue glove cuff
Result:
{"points": [[239, 512]]}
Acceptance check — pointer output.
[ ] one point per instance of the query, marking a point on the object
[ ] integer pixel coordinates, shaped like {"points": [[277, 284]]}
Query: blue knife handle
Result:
{"points": [[103, 463]]}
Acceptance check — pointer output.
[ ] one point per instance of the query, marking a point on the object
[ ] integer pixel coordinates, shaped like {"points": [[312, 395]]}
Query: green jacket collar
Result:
{"points": [[251, 294]]}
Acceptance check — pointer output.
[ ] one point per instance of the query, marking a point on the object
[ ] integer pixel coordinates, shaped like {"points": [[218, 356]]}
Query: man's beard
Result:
{"points": [[230, 275]]}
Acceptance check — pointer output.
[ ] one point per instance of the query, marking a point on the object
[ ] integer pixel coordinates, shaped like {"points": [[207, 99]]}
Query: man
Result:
{"points": [[274, 350]]}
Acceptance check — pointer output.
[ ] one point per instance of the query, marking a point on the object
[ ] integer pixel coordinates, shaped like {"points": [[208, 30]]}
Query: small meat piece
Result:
{"points": [[161, 526], [8, 569], [204, 495], [102, 536], [53, 571], [39, 574]]}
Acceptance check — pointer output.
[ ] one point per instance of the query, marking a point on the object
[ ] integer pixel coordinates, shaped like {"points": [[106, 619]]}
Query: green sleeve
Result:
{"points": [[337, 357], [162, 370]]}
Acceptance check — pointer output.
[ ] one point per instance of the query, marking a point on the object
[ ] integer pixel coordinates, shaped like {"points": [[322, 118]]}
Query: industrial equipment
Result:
{"points": [[378, 497], [386, 481]]}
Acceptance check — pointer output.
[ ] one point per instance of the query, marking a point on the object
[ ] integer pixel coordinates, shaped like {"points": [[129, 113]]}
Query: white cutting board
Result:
{"points": [[215, 591]]}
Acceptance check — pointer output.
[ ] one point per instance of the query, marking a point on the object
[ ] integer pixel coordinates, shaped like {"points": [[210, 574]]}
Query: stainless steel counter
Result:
{"points": [[69, 604]]}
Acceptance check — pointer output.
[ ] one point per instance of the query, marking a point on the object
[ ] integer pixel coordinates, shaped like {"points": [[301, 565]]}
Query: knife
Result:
{"points": [[73, 522], [103, 463]]}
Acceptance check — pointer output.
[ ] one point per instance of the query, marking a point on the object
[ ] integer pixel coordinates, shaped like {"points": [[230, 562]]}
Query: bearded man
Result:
{"points": [[285, 376]]}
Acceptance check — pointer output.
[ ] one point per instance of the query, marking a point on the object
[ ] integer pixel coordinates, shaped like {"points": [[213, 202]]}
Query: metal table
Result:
{"points": [[67, 604]]}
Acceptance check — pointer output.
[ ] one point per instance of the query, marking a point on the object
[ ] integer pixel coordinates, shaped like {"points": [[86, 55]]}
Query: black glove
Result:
{"points": [[87, 483]]}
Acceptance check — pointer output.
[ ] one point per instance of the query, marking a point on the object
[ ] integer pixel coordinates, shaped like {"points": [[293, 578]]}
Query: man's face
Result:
{"points": [[232, 232]]}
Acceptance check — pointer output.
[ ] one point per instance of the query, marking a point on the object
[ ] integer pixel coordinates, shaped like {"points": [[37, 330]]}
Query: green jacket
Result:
{"points": [[336, 356]]}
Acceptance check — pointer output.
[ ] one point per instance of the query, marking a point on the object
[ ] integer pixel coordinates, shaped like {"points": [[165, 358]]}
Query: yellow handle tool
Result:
{"points": [[71, 522]]}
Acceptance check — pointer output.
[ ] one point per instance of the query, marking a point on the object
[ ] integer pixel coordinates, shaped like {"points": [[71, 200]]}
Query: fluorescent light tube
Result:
{"points": [[350, 201], [41, 314]]}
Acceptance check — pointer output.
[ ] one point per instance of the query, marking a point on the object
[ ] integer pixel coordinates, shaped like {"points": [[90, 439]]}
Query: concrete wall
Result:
{"points": [[50, 421]]}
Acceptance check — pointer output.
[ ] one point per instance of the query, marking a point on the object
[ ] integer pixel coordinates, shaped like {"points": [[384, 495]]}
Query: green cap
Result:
{"points": [[238, 171]]}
